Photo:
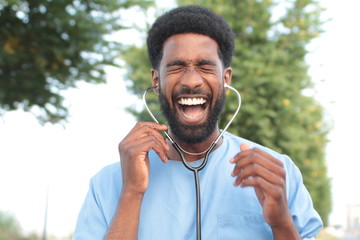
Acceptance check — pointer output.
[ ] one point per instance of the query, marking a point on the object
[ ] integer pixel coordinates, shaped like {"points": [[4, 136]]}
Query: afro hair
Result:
{"points": [[190, 19]]}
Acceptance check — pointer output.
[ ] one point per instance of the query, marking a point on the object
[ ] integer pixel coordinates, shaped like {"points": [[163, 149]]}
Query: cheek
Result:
{"points": [[167, 86], [217, 83], [166, 92]]}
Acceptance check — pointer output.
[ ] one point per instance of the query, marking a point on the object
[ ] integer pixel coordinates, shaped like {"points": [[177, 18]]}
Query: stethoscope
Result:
{"points": [[207, 152]]}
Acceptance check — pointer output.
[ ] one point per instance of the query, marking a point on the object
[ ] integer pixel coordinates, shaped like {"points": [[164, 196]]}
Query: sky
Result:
{"points": [[58, 161]]}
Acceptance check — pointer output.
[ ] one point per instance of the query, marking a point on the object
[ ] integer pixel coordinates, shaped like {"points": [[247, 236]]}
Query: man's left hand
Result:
{"points": [[256, 168]]}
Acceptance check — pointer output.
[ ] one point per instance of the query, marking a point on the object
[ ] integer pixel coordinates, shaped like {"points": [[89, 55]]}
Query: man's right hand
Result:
{"points": [[135, 169], [134, 150]]}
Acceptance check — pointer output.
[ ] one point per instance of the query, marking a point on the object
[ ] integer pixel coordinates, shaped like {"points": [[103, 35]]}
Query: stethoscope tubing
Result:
{"points": [[196, 169]]}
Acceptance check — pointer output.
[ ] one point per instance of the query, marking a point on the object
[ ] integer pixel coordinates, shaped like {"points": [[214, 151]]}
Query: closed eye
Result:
{"points": [[207, 69], [174, 70], [176, 66], [206, 66]]}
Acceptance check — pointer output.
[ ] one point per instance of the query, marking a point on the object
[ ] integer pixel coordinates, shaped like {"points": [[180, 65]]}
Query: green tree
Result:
{"points": [[9, 227], [47, 46], [270, 71]]}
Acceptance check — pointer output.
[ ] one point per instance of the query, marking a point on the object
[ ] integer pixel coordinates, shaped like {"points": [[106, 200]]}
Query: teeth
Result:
{"points": [[191, 101]]}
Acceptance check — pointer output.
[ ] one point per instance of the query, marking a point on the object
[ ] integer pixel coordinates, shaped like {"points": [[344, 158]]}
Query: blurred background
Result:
{"points": [[72, 71]]}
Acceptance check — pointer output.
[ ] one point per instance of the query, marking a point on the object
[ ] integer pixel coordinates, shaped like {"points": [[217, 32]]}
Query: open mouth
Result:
{"points": [[192, 107]]}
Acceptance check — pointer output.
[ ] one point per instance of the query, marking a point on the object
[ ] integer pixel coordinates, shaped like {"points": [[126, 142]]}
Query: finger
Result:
{"points": [[142, 125], [143, 129], [144, 145], [158, 148], [256, 170], [244, 147], [151, 132], [266, 188], [256, 156]]}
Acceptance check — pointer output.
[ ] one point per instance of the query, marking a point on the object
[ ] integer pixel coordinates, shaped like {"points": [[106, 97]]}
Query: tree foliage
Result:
{"points": [[47, 46], [270, 71], [9, 227]]}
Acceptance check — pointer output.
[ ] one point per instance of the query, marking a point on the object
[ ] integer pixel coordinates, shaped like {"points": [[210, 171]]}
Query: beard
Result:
{"points": [[192, 134]]}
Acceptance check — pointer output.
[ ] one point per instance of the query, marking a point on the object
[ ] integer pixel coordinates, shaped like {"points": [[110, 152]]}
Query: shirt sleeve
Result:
{"points": [[305, 217], [91, 223]]}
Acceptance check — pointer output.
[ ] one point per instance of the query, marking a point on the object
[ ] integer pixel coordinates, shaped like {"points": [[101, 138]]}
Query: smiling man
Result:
{"points": [[247, 191], [191, 93]]}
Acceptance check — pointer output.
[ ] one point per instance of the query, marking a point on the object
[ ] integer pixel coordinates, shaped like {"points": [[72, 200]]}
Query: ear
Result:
{"points": [[155, 79], [227, 75]]}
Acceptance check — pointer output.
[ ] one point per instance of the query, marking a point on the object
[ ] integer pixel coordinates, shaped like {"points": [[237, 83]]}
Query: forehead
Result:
{"points": [[190, 47]]}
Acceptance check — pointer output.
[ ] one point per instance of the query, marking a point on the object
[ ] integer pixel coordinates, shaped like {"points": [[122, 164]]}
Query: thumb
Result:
{"points": [[244, 147]]}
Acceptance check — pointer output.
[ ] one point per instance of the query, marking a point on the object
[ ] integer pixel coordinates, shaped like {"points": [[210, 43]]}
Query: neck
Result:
{"points": [[191, 151]]}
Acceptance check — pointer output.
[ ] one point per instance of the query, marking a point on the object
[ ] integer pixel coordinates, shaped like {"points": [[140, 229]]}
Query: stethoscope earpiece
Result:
{"points": [[155, 88]]}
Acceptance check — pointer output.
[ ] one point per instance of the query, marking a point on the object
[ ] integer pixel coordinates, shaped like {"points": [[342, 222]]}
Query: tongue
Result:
{"points": [[192, 111]]}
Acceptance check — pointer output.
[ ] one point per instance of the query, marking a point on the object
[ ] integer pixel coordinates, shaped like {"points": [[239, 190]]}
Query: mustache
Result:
{"points": [[189, 91]]}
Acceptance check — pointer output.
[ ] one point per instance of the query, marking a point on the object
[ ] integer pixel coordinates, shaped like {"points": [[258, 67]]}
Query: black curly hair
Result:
{"points": [[190, 19]]}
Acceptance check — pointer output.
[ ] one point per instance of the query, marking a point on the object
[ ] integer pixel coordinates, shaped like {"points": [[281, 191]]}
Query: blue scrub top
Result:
{"points": [[169, 204]]}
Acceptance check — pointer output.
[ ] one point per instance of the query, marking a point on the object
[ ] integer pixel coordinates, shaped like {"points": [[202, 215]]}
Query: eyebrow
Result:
{"points": [[176, 63], [205, 62], [182, 63]]}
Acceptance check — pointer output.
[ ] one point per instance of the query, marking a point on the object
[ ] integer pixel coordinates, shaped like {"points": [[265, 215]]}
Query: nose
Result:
{"points": [[191, 79]]}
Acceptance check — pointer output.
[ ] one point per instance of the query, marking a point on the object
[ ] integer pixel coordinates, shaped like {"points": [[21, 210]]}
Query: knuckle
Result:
{"points": [[281, 182], [256, 180], [281, 164], [283, 174], [140, 124], [278, 193], [121, 145], [255, 167], [143, 125], [131, 152], [153, 141], [255, 154], [257, 151]]}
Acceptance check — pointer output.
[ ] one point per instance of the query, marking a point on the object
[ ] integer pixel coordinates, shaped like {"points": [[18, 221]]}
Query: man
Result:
{"points": [[247, 191]]}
